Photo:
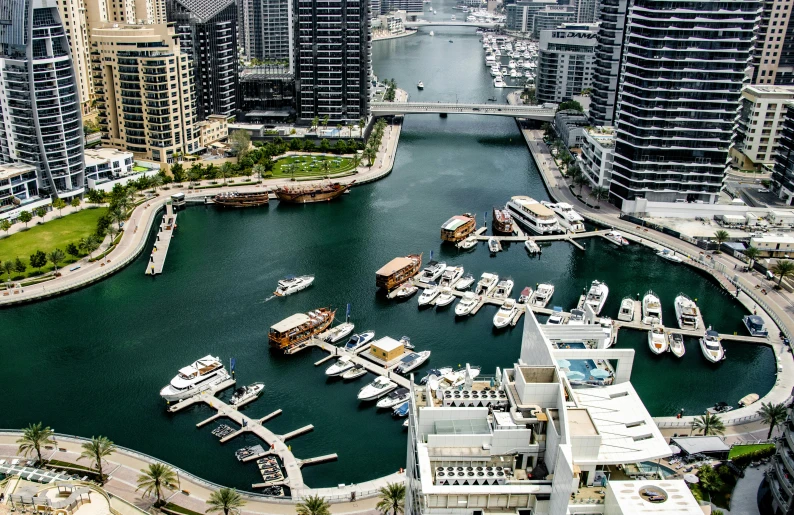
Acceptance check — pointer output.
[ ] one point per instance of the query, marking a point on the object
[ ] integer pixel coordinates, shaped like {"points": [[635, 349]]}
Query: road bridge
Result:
{"points": [[450, 23], [541, 113]]}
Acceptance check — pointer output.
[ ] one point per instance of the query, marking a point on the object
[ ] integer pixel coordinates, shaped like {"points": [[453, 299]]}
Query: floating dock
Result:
{"points": [[157, 258], [520, 236]]}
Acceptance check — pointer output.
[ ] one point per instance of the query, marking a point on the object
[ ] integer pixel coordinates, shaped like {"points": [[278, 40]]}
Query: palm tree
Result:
{"points": [[772, 414], [600, 193], [156, 181], [226, 500], [721, 236], [33, 437], [313, 505], [579, 180], [369, 154], [155, 478], [98, 448], [226, 171], [56, 256], [260, 170], [752, 254], [783, 269], [392, 498], [708, 425]]}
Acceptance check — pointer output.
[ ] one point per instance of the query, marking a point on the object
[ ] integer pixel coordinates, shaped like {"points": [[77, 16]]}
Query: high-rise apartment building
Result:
{"points": [[145, 90], [674, 122], [333, 57], [520, 16], [551, 17], [565, 61], [780, 474], [606, 68], [783, 176], [586, 10], [267, 31], [773, 58], [124, 11], [208, 35], [40, 120], [73, 16], [757, 131]]}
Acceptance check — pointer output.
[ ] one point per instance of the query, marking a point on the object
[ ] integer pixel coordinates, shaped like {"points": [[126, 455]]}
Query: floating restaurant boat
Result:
{"points": [[308, 194], [292, 284], [711, 347], [677, 345], [542, 295], [464, 282], [755, 324], [300, 327], [432, 271], [657, 341], [458, 227], [532, 214], [616, 238], [466, 304], [626, 312], [686, 311], [487, 284], [651, 309], [200, 375], [246, 393], [502, 221], [339, 332], [505, 314], [236, 199], [397, 271], [596, 296]]}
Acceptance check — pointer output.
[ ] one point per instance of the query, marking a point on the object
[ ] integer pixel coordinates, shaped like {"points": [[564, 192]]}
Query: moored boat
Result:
{"points": [[486, 284], [505, 314], [458, 228], [533, 215], [469, 243], [394, 398], [542, 295], [568, 217], [292, 284], [432, 271], [339, 332], [577, 317], [626, 312], [452, 380], [616, 238], [657, 341], [342, 365], [686, 311], [300, 327], [200, 375], [377, 388], [748, 399], [354, 373], [494, 246], [651, 309], [464, 282], [237, 199], [397, 271], [467, 304], [711, 347], [525, 295], [596, 296], [406, 291], [245, 394], [532, 247], [677, 344], [669, 256], [502, 221], [308, 194], [720, 407], [412, 361], [420, 84], [401, 411], [607, 327], [429, 295], [357, 341], [445, 298], [450, 276], [503, 289], [755, 324]]}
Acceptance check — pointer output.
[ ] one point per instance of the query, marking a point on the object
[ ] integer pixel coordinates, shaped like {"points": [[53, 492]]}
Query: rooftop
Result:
{"points": [[95, 156], [290, 322], [387, 344], [768, 89], [657, 497], [696, 444], [8, 170]]}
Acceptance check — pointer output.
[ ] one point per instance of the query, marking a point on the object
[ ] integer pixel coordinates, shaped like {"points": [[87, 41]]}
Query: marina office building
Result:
{"points": [[529, 441], [565, 61]]}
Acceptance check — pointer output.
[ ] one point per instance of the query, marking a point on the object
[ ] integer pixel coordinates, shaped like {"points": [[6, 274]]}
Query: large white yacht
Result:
{"points": [[657, 340], [686, 311], [292, 284], [597, 296], [498, 82], [450, 276], [503, 289], [651, 309], [377, 388], [533, 215], [711, 346], [487, 284], [505, 314], [200, 375], [626, 312], [342, 365], [429, 295], [542, 295], [432, 271], [466, 304], [569, 218]]}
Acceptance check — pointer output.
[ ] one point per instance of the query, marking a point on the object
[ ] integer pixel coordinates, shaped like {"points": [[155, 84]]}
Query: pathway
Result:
{"points": [[744, 500]]}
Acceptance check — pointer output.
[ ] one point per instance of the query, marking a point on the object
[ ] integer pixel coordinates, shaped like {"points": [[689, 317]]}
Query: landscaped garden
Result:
{"points": [[312, 166]]}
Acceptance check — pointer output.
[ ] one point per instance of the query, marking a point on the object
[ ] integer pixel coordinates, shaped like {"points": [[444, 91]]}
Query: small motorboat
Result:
{"points": [[503, 289], [405, 424], [748, 399], [532, 247], [711, 347], [377, 388], [677, 345], [755, 324], [657, 341], [340, 332], [469, 243], [556, 318], [616, 238], [401, 411], [506, 313], [354, 373], [542, 295], [464, 282], [577, 317], [432, 271], [247, 393], [651, 309], [450, 276], [420, 85], [669, 256], [597, 296], [359, 340], [292, 284], [412, 361], [342, 365], [494, 246], [394, 398], [406, 341], [406, 291], [429, 295], [445, 298], [526, 294], [626, 312], [720, 407], [438, 372], [467, 304], [487, 284]]}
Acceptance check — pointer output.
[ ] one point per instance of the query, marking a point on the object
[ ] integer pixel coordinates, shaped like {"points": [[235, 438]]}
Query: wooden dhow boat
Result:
{"points": [[458, 228], [307, 194], [397, 271], [502, 221], [237, 199], [299, 327]]}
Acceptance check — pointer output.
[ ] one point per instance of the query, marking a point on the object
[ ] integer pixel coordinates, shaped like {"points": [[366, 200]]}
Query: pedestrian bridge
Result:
{"points": [[449, 23], [541, 113]]}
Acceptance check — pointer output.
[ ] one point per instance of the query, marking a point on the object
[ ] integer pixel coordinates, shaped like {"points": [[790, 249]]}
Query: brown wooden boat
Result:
{"points": [[502, 221], [307, 194], [300, 327], [236, 199], [458, 227], [397, 271]]}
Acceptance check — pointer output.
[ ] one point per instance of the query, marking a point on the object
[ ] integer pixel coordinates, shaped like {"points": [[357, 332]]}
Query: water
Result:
{"points": [[92, 362]]}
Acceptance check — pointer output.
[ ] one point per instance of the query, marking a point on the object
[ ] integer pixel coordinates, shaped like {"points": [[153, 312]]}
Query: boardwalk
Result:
{"points": [[167, 226]]}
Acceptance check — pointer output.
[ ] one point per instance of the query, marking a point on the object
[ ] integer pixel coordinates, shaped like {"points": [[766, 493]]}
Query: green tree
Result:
{"points": [[59, 204], [25, 217], [369, 154], [33, 437], [313, 505], [96, 450], [226, 171], [56, 257], [72, 250], [570, 104], [20, 266], [178, 172], [772, 414], [240, 141], [296, 144], [8, 267], [708, 425], [38, 259], [580, 180], [41, 212], [155, 181], [315, 123], [88, 245], [325, 121], [227, 500], [362, 123], [341, 146], [392, 499], [710, 480], [721, 236], [95, 196], [75, 203], [783, 269], [548, 131], [154, 479], [599, 193], [260, 170], [5, 225], [325, 145], [752, 254], [195, 172]]}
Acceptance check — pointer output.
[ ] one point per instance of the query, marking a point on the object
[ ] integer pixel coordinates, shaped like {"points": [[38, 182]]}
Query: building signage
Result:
{"points": [[564, 34]]}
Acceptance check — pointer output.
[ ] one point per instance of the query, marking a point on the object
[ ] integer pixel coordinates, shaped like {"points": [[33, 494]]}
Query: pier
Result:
{"points": [[520, 236], [157, 259]]}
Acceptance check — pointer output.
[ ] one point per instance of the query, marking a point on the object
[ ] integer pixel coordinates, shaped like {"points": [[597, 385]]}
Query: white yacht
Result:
{"points": [[429, 295], [450, 276], [511, 64], [377, 388], [396, 397], [452, 380], [200, 375], [494, 71], [432, 271], [607, 326], [339, 332], [711, 346], [686, 311], [245, 394], [468, 243], [405, 291], [431, 32], [466, 304], [506, 313], [657, 341], [556, 318], [651, 309], [498, 82], [487, 284], [597, 296], [513, 73], [464, 282], [292, 284], [531, 246], [533, 215], [626, 312], [493, 245], [445, 298], [412, 361], [359, 340], [420, 85], [677, 344], [569, 218], [503, 289], [342, 365], [616, 238], [542, 295], [669, 256], [577, 317], [354, 373]]}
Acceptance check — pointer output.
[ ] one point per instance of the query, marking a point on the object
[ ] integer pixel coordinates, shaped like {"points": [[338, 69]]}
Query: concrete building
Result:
{"points": [[664, 152], [781, 471], [586, 10], [104, 164], [565, 61], [19, 190], [213, 129], [520, 15], [208, 35], [570, 126], [333, 59], [267, 94], [598, 152], [145, 91], [783, 173], [132, 12], [528, 439], [266, 31], [774, 245], [40, 116], [412, 8], [551, 17], [608, 55], [773, 56], [75, 24], [757, 131]]}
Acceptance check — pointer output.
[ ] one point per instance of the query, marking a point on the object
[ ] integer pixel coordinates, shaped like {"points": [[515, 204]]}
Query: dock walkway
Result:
{"points": [[157, 259]]}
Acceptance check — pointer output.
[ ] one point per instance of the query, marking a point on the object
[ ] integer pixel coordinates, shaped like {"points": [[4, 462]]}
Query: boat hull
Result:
{"points": [[324, 194], [304, 334], [714, 358], [171, 395], [255, 199]]}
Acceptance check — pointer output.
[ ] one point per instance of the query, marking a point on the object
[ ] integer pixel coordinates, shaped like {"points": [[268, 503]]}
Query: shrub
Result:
{"points": [[745, 459]]}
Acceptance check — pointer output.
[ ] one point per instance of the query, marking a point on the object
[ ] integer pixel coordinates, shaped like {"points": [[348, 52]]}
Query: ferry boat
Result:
{"points": [[450, 276], [300, 327], [651, 309], [686, 311], [568, 217], [236, 199], [711, 347], [616, 238], [626, 312], [247, 393], [502, 221], [542, 295], [200, 375], [755, 324], [308, 194], [464, 282], [503, 289], [357, 341], [677, 345], [292, 284], [596, 296], [532, 214], [505, 314], [397, 271], [532, 247], [486, 284], [432, 271], [657, 341], [339, 332], [467, 304], [396, 397], [412, 361], [377, 388], [342, 365]]}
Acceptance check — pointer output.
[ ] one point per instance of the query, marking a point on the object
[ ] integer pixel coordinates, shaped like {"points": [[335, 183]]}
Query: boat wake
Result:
{"points": [[270, 298]]}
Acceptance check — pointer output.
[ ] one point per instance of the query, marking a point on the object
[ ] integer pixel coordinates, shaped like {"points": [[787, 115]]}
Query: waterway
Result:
{"points": [[92, 362]]}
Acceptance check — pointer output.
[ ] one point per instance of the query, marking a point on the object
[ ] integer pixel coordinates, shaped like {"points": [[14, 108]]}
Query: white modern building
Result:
{"points": [[103, 164], [598, 152], [757, 132], [531, 440], [19, 190], [565, 61]]}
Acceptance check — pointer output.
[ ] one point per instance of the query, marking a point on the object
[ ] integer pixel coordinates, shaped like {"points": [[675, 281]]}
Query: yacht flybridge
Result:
{"points": [[292, 284], [533, 215], [200, 375]]}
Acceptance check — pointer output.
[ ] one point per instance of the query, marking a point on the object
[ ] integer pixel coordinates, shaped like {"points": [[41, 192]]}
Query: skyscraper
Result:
{"points": [[565, 60], [40, 121], [73, 16], [606, 68], [267, 30], [773, 58], [333, 57], [683, 68]]}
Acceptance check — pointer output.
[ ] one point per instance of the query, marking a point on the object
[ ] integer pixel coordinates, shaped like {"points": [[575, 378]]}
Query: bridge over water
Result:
{"points": [[541, 113], [450, 23]]}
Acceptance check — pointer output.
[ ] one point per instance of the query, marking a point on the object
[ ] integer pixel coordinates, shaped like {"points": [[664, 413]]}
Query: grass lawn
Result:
{"points": [[312, 166], [179, 509], [741, 450]]}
